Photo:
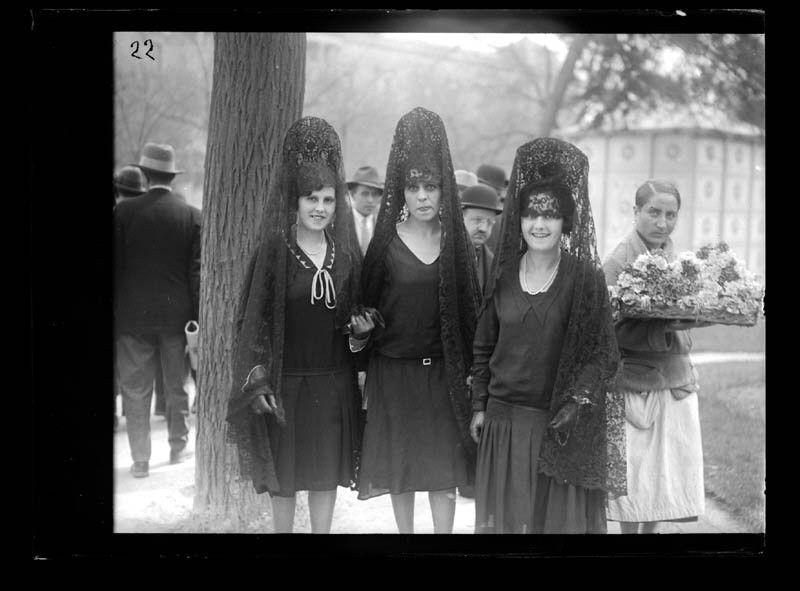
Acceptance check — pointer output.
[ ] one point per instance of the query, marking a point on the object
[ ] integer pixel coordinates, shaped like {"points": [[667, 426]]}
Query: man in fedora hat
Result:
{"points": [[494, 177], [464, 179], [366, 192], [157, 291]]}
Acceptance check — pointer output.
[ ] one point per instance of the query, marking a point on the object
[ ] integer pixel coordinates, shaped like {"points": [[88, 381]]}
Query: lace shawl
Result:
{"points": [[311, 156], [594, 455], [420, 149]]}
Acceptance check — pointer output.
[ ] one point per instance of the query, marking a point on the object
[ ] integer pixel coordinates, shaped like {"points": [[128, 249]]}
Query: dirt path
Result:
{"points": [[159, 503]]}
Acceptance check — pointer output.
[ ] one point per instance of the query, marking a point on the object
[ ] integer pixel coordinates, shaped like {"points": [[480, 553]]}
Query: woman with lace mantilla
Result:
{"points": [[544, 359], [418, 272], [294, 409]]}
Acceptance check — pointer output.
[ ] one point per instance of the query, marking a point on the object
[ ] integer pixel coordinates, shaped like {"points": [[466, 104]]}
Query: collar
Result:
{"points": [[637, 246], [163, 187], [360, 217]]}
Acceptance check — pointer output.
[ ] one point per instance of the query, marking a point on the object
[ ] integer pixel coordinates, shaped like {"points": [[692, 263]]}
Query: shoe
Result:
{"points": [[176, 456], [140, 469]]}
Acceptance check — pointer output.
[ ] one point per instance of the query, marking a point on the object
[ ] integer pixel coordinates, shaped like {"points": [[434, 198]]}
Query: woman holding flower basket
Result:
{"points": [[659, 384]]}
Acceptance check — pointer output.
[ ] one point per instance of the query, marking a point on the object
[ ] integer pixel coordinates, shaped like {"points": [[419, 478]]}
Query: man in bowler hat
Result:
{"points": [[366, 192], [494, 177], [129, 182], [481, 208], [157, 291]]}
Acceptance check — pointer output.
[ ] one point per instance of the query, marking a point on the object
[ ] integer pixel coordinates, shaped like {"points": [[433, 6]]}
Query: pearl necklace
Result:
{"points": [[313, 254], [547, 284]]}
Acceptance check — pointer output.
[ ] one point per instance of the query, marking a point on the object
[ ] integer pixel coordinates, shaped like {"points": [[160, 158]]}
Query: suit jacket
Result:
{"points": [[156, 263], [484, 266], [356, 222], [494, 238]]}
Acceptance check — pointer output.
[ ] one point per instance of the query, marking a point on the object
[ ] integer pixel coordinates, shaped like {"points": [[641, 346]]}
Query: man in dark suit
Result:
{"points": [[480, 206], [157, 291], [366, 192], [494, 177]]}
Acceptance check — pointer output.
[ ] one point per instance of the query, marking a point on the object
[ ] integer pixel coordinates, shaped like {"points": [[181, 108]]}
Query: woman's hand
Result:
{"points": [[263, 404], [361, 325], [476, 426], [565, 418], [687, 324]]}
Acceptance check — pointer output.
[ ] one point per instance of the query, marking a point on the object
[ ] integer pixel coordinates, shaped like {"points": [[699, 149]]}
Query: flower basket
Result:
{"points": [[701, 315], [710, 285]]}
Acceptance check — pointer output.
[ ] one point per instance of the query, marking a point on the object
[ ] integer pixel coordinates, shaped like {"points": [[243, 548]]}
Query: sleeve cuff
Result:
{"points": [[357, 344], [479, 405]]}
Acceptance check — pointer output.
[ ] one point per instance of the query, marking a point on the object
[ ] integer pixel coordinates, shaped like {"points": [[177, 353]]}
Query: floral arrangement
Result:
{"points": [[708, 285]]}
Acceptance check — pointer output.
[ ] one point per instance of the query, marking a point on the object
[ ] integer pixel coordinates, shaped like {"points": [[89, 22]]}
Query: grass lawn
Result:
{"points": [[733, 422], [725, 338]]}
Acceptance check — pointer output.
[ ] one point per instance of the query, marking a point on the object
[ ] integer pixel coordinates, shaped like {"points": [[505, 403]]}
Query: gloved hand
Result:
{"points": [[366, 316], [565, 418], [264, 404], [265, 400]]}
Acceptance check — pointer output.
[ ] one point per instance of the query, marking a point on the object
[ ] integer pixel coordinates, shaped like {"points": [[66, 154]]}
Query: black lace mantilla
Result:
{"points": [[311, 157], [420, 151], [594, 454]]}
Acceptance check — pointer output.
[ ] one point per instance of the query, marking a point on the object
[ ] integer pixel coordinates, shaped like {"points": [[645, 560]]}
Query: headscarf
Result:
{"points": [[594, 455], [420, 152], [312, 156]]}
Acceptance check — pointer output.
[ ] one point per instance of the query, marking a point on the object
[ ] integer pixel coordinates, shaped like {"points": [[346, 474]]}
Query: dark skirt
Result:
{"points": [[511, 495], [315, 450], [411, 439]]}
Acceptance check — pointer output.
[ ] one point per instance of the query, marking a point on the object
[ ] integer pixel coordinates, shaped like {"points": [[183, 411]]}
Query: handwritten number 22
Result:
{"points": [[148, 43]]}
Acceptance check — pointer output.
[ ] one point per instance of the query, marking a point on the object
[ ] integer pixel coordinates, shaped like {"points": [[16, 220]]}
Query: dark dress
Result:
{"points": [[315, 450], [411, 440], [520, 337]]}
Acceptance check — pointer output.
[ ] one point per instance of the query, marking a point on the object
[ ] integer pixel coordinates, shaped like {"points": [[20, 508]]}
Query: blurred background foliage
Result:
{"points": [[494, 92]]}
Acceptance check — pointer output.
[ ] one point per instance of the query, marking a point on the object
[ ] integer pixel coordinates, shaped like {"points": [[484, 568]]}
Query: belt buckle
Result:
{"points": [[426, 361]]}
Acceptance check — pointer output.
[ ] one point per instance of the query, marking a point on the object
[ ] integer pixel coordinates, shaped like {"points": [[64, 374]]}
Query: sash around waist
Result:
{"points": [[496, 408], [417, 359]]}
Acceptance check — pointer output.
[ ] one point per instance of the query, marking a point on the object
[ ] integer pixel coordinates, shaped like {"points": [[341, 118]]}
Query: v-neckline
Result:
{"points": [[308, 259], [408, 248], [543, 302]]}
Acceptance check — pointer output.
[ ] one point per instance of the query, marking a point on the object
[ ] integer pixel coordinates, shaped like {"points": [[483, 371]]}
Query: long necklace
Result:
{"points": [[547, 284]]}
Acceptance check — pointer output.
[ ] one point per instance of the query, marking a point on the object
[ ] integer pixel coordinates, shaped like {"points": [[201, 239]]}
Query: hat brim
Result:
{"points": [[157, 170], [130, 189], [465, 204], [365, 183]]}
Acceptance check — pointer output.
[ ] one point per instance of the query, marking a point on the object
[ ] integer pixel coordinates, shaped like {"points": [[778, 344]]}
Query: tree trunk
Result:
{"points": [[258, 87], [556, 98]]}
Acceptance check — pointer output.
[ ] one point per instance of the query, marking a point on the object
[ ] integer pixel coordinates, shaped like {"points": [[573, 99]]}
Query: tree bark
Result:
{"points": [[258, 87], [556, 98]]}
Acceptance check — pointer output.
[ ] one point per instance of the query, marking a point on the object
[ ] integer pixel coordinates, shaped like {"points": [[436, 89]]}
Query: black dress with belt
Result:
{"points": [[411, 440], [316, 449]]}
